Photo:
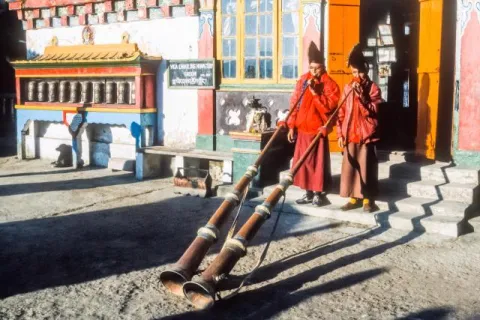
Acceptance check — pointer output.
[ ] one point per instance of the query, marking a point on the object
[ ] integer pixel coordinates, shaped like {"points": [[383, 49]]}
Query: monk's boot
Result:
{"points": [[370, 206], [352, 204], [320, 199], [307, 198]]}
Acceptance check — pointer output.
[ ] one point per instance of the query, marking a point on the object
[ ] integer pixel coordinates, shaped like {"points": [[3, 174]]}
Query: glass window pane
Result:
{"points": [[229, 6], [251, 25], [290, 5], [290, 47], [290, 68], [229, 48], [266, 47], [266, 24], [251, 5], [290, 22], [250, 68], [229, 26], [266, 5], [229, 68], [266, 68], [251, 46]]}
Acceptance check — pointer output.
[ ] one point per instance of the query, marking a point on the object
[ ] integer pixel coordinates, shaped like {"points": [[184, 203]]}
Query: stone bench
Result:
{"points": [[156, 161]]}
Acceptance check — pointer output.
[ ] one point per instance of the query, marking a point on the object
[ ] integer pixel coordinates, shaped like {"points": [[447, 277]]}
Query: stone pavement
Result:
{"points": [[90, 244]]}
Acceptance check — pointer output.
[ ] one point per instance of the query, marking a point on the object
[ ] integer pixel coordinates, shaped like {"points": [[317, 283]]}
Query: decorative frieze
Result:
{"points": [[73, 13]]}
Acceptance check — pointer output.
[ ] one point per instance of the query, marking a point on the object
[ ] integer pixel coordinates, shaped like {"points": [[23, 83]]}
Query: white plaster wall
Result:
{"points": [[175, 38]]}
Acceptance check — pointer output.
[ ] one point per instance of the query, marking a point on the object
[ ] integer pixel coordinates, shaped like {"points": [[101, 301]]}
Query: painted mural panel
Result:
{"points": [[177, 109], [232, 109], [469, 110]]}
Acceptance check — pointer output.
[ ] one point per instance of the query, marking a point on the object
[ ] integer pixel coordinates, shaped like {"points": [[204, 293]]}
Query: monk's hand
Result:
{"points": [[358, 88], [290, 135], [323, 131], [341, 143], [311, 86]]}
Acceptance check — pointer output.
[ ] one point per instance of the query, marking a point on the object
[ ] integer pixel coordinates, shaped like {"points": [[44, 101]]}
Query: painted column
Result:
{"points": [[343, 32], [466, 141], [311, 26], [206, 97], [430, 44]]}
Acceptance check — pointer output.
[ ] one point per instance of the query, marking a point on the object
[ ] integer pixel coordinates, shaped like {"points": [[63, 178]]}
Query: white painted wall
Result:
{"points": [[175, 38]]}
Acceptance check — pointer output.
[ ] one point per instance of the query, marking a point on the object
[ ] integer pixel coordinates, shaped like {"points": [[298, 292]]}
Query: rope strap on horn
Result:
{"points": [[260, 260], [208, 232], [233, 197], [251, 172]]}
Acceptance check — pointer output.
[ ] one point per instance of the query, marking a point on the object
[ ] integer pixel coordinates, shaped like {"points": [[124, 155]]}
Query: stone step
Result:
{"points": [[467, 193], [435, 190], [409, 204], [121, 164], [475, 223], [444, 225], [415, 171]]}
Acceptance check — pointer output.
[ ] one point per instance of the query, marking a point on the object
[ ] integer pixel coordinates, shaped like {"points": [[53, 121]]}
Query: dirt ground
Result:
{"points": [[90, 244]]}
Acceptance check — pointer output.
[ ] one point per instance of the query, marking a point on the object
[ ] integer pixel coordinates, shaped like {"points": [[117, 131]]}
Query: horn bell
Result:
{"points": [[174, 279], [200, 294]]}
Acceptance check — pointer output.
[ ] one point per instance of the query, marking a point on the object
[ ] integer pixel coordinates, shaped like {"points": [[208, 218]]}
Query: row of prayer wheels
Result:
{"points": [[109, 91]]}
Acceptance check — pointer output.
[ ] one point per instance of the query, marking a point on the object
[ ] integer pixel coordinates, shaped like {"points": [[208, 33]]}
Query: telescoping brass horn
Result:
{"points": [[174, 278], [202, 293]]}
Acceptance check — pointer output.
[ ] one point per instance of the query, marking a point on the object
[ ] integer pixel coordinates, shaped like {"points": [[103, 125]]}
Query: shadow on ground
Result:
{"points": [[43, 253], [66, 185]]}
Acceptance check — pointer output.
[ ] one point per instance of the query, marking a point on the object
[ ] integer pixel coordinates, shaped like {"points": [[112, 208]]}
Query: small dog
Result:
{"points": [[64, 158]]}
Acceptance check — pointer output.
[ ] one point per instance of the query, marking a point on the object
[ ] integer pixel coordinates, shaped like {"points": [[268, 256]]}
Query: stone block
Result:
{"points": [[121, 164]]}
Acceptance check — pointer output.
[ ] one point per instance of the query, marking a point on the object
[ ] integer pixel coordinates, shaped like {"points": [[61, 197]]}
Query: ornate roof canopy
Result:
{"points": [[37, 14]]}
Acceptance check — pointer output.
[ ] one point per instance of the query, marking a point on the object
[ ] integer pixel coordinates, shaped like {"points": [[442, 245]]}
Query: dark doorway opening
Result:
{"points": [[389, 34], [12, 47]]}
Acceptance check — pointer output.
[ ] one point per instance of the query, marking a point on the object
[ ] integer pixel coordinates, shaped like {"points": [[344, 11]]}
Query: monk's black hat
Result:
{"points": [[314, 54], [356, 59]]}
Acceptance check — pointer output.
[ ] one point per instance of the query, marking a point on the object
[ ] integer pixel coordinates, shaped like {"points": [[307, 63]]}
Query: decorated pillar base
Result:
{"points": [[205, 142], [246, 149]]}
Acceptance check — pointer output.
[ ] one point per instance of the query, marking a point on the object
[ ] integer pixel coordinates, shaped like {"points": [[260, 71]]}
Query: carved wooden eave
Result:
{"points": [[125, 53], [37, 14]]}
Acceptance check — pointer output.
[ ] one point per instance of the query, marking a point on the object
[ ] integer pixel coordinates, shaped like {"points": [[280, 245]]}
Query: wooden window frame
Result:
{"points": [[277, 45]]}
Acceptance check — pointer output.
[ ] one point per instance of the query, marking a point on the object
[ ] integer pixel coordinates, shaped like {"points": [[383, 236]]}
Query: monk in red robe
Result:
{"points": [[306, 120], [357, 134]]}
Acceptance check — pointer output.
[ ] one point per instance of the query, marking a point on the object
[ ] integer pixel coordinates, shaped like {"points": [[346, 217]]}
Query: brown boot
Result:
{"points": [[370, 207], [352, 204]]}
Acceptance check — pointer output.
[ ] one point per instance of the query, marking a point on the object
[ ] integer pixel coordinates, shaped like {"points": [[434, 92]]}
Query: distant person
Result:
{"points": [[357, 134], [306, 120]]}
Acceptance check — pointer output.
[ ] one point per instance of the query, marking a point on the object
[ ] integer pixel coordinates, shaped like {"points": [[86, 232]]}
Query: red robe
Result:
{"points": [[357, 123], [307, 118]]}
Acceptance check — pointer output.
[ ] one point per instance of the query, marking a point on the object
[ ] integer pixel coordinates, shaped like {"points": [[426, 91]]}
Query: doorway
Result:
{"points": [[12, 47], [389, 33]]}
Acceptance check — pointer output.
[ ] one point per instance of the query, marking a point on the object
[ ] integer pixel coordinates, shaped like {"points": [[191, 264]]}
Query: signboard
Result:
{"points": [[191, 74]]}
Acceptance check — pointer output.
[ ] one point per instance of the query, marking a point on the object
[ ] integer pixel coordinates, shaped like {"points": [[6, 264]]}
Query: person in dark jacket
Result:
{"points": [[357, 134]]}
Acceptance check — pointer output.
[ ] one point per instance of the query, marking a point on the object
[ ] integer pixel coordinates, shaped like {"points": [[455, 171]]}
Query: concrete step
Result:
{"points": [[416, 171], [121, 164], [475, 223], [460, 192], [409, 204], [444, 225], [429, 207]]}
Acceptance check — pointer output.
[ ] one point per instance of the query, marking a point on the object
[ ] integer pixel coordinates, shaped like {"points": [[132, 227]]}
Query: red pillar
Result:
{"points": [[149, 91], [206, 97], [139, 94]]}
